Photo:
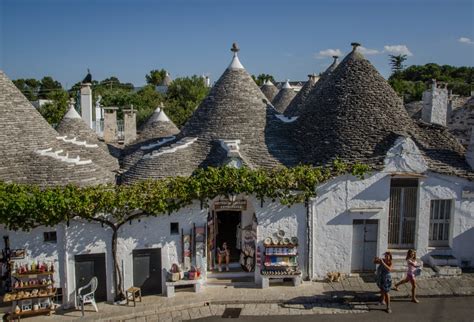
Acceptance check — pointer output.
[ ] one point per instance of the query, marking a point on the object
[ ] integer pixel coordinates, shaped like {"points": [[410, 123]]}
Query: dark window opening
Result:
{"points": [[50, 236], [174, 228]]}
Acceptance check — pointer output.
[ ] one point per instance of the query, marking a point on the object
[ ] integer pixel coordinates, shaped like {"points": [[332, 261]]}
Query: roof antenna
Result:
{"points": [[355, 45], [335, 58]]}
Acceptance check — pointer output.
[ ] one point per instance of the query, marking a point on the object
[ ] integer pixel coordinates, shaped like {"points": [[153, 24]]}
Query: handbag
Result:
{"points": [[418, 272]]}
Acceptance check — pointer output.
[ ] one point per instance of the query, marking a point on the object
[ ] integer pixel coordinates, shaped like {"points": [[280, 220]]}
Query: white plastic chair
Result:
{"points": [[87, 298]]}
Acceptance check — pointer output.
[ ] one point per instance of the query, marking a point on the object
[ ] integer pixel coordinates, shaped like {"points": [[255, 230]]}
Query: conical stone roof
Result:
{"points": [[235, 109], [32, 153], [269, 90], [283, 98], [297, 103], [80, 139], [311, 98], [156, 130], [157, 126], [356, 116]]}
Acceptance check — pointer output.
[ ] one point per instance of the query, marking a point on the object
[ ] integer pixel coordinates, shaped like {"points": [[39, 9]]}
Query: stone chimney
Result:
{"points": [[99, 115], [86, 104], [435, 104], [110, 124], [470, 150], [129, 125]]}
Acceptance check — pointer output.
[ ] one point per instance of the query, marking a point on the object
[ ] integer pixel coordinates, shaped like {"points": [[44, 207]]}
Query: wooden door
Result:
{"points": [[88, 266], [147, 270]]}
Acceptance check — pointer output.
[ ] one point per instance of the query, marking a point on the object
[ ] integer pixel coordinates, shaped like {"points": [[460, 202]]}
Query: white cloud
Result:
{"points": [[368, 51], [465, 40], [328, 53], [397, 50]]}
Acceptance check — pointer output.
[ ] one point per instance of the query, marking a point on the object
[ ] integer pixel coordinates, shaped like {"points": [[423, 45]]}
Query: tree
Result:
{"points": [[411, 82], [183, 96], [54, 111], [396, 61], [261, 78], [29, 87], [155, 77], [48, 84]]}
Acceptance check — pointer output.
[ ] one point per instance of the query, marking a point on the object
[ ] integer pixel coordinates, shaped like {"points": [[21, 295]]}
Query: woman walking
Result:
{"points": [[412, 267], [384, 278]]}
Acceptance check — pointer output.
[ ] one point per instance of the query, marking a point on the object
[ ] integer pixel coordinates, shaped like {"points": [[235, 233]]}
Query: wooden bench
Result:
{"points": [[266, 279], [197, 286]]}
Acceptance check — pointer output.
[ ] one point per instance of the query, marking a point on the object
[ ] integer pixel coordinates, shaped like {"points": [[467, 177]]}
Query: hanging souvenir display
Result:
{"points": [[247, 253]]}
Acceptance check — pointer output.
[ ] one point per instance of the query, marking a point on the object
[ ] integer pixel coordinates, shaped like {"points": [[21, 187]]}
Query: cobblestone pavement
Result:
{"points": [[347, 296]]}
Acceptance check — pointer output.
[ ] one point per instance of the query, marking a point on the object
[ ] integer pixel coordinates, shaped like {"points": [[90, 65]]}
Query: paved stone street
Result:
{"points": [[347, 296]]}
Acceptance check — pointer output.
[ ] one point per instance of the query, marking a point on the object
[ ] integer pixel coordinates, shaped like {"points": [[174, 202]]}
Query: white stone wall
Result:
{"points": [[332, 219], [292, 220], [154, 232]]}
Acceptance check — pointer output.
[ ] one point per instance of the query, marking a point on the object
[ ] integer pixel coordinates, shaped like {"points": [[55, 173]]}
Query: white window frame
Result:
{"points": [[441, 217]]}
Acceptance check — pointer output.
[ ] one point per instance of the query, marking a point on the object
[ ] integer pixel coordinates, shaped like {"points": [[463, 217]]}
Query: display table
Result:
{"points": [[266, 279], [197, 286]]}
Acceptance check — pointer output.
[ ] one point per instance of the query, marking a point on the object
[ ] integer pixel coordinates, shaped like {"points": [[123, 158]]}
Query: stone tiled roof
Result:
{"points": [[269, 90], [235, 109], [283, 98], [356, 115], [298, 101], [31, 152], [157, 126], [80, 139]]}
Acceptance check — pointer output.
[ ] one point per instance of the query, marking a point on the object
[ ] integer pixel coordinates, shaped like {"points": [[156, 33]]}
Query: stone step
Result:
{"points": [[235, 282]]}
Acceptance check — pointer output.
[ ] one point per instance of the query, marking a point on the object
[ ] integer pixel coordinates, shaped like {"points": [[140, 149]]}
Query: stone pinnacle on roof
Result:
{"points": [[235, 63], [355, 45], [72, 113]]}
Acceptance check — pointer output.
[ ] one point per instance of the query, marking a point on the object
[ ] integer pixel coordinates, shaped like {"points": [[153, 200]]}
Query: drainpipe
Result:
{"points": [[309, 230]]}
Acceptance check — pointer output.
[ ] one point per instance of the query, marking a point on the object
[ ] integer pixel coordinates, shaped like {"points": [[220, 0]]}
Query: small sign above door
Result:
{"points": [[468, 193], [230, 205]]}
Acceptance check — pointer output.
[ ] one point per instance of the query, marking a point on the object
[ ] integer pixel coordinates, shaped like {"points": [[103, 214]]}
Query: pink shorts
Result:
{"points": [[410, 276]]}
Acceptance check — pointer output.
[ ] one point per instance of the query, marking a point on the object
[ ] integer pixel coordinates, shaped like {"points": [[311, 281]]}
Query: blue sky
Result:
{"points": [[287, 39]]}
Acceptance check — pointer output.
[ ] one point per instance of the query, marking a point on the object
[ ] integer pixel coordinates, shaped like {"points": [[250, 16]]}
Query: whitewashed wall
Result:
{"points": [[154, 232], [332, 220], [273, 217]]}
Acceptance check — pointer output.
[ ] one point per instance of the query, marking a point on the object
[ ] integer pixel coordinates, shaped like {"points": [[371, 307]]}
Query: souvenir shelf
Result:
{"points": [[32, 291], [281, 261]]}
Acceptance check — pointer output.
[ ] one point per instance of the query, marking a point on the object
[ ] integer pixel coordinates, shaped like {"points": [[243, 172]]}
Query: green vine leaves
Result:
{"points": [[26, 206]]}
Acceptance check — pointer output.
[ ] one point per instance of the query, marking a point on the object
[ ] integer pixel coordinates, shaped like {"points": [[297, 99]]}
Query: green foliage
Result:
{"points": [[183, 96], [411, 82], [396, 62], [155, 77], [26, 206], [53, 112], [261, 78], [29, 87]]}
